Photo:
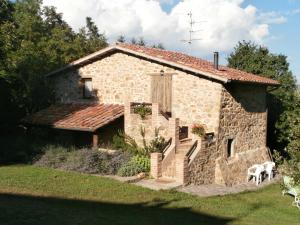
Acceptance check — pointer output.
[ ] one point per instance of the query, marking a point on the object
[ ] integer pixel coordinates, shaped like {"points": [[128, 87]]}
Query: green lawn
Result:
{"points": [[32, 195]]}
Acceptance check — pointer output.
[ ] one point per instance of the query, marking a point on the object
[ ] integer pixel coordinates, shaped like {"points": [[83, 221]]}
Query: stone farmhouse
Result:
{"points": [[96, 95]]}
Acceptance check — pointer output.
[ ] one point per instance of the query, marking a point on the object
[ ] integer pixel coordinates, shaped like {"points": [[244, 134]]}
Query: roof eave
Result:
{"points": [[209, 75], [254, 82], [116, 47], [82, 60], [163, 61]]}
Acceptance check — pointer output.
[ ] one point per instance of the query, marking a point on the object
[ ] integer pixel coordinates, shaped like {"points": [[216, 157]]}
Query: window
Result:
{"points": [[230, 143], [87, 87], [183, 132]]}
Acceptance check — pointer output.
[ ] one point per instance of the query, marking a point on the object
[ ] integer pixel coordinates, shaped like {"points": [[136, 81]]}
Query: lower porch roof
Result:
{"points": [[81, 117]]}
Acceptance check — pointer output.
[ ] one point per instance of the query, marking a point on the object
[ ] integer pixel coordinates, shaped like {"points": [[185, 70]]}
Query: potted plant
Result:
{"points": [[198, 129], [143, 111]]}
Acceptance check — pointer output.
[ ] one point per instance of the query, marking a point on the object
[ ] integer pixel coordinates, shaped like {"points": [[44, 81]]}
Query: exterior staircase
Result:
{"points": [[173, 162], [184, 146], [182, 149]]}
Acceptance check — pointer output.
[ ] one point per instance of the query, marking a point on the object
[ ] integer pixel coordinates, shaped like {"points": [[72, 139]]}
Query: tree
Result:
{"points": [[121, 39], [256, 59], [133, 41], [159, 46], [141, 42], [34, 41]]}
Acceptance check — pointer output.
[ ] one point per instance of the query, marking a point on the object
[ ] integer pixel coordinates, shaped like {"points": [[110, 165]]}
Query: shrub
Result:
{"points": [[82, 160], [142, 161], [52, 156], [198, 129], [155, 145], [117, 160], [136, 165], [124, 142], [143, 111], [18, 148], [86, 161], [129, 169]]}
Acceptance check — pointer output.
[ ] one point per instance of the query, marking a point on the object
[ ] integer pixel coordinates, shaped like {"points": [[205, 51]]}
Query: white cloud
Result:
{"points": [[226, 21], [165, 1], [272, 18], [293, 12]]}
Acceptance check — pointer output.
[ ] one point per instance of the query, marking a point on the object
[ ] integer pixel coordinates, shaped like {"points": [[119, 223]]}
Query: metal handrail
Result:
{"points": [[191, 150], [165, 114], [140, 103], [167, 145]]}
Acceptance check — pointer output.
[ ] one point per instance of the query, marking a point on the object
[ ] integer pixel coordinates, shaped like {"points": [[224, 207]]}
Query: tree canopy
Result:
{"points": [[282, 101], [34, 40]]}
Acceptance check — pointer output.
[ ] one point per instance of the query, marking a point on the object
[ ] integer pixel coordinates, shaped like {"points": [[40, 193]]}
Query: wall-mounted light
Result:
{"points": [[162, 72]]}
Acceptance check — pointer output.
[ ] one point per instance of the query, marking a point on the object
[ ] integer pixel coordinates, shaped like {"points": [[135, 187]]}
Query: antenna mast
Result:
{"points": [[192, 31]]}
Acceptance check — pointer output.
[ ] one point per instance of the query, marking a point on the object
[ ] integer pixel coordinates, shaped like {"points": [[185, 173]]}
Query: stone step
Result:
{"points": [[183, 148], [185, 140]]}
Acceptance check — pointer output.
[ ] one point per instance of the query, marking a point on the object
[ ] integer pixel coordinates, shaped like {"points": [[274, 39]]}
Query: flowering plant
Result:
{"points": [[198, 129]]}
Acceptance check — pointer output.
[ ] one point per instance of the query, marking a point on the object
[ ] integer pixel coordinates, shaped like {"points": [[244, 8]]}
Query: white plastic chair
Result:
{"points": [[268, 169], [255, 171]]}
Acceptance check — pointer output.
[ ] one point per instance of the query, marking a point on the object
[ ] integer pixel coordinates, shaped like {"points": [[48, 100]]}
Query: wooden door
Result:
{"points": [[161, 91]]}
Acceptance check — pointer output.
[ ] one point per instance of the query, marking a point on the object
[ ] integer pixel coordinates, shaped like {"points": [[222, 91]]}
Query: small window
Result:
{"points": [[87, 87], [230, 143]]}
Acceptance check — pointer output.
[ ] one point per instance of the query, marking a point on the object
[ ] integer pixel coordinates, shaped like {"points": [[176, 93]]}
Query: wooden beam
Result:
{"points": [[95, 140]]}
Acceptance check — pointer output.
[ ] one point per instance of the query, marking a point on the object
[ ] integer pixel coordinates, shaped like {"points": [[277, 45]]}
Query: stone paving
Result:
{"points": [[203, 190], [158, 184], [199, 190], [216, 190]]}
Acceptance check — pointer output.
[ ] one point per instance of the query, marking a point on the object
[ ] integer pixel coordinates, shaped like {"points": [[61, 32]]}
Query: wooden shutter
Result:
{"points": [[167, 93], [156, 90], [161, 91]]}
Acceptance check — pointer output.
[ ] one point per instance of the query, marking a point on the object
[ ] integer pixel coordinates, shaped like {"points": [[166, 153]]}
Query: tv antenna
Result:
{"points": [[190, 40]]}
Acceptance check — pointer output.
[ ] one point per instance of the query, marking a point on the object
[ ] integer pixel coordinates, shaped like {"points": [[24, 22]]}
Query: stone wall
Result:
{"points": [[134, 123], [243, 118], [120, 78], [202, 168], [234, 170]]}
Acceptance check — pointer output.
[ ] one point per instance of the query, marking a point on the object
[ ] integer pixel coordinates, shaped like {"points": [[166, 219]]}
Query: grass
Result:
{"points": [[32, 195]]}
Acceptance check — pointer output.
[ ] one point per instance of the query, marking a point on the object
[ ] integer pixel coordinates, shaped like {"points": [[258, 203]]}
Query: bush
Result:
{"points": [[136, 165], [198, 129], [17, 149], [142, 161], [156, 145], [129, 169], [82, 160], [124, 142], [52, 156], [143, 111]]}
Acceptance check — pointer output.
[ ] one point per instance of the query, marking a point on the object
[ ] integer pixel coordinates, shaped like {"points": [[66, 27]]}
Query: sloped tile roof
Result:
{"points": [[175, 59], [199, 64], [83, 117]]}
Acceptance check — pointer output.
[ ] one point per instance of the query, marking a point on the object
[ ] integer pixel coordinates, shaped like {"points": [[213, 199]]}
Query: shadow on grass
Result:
{"points": [[25, 210]]}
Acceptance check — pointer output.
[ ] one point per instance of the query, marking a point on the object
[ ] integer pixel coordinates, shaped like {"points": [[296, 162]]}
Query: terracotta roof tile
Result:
{"points": [[178, 59], [85, 117], [199, 64]]}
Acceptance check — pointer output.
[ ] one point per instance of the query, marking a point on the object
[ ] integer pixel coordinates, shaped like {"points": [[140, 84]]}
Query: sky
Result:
{"points": [[219, 24]]}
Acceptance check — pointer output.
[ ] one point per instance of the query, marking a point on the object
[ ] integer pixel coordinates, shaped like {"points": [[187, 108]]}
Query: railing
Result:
{"points": [[167, 115], [134, 105], [166, 146], [191, 151]]}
